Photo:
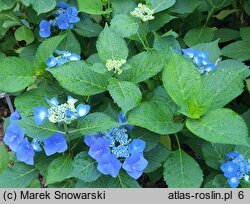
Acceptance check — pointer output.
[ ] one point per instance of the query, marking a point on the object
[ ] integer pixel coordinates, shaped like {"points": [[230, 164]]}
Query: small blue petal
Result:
{"points": [[44, 29], [82, 110], [51, 62], [40, 115], [62, 5], [15, 116], [122, 119], [55, 144], [233, 182], [137, 146], [14, 136], [210, 67], [70, 115], [71, 100], [74, 57], [52, 102], [99, 148], [91, 139], [36, 145], [25, 152], [61, 61], [62, 22]]}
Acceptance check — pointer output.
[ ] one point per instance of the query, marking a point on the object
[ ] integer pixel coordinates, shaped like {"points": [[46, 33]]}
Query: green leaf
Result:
{"points": [[215, 154], [212, 48], [31, 99], [245, 33], [182, 81], [6, 4], [248, 84], [42, 161], [87, 28], [154, 117], [111, 46], [123, 180], [122, 7], [24, 33], [245, 151], [94, 7], [4, 158], [199, 35], [16, 74], [225, 83], [160, 5], [70, 43], [226, 34], [47, 48], [41, 6], [125, 94], [85, 168], [59, 169], [182, 171], [156, 157], [220, 126], [18, 176], [124, 25], [94, 123], [143, 66], [160, 20], [224, 13], [165, 44], [77, 78], [185, 6], [238, 50], [38, 131]]}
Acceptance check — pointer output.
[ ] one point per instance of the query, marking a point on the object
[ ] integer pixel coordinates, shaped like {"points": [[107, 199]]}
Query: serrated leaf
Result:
{"points": [[47, 48], [154, 117], [220, 126], [245, 33], [182, 81], [122, 6], [94, 7], [18, 176], [111, 46], [42, 161], [237, 50], [77, 78], [156, 157], [59, 169], [125, 94], [215, 154], [160, 5], [185, 6], [4, 158], [31, 99], [124, 25], [225, 83], [95, 123], [143, 66], [38, 131], [182, 171], [6, 4], [16, 74], [85, 168]]}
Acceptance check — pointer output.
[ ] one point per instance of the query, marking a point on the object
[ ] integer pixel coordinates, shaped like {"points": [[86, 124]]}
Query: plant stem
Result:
{"points": [[66, 132], [142, 42], [178, 142]]}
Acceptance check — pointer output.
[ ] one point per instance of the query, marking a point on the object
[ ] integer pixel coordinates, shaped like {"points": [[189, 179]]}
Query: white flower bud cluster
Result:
{"points": [[57, 114], [115, 65], [143, 12]]}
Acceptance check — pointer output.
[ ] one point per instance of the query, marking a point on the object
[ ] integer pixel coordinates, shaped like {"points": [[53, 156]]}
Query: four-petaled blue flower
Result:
{"points": [[25, 152], [82, 110], [108, 164], [99, 148], [134, 165], [137, 146], [55, 144], [13, 136], [44, 29]]}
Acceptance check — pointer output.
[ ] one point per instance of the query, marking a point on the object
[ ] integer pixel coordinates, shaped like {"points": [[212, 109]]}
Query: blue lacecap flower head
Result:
{"points": [[15, 116], [44, 29], [13, 136], [40, 114], [55, 144], [134, 165], [108, 164], [25, 152]]}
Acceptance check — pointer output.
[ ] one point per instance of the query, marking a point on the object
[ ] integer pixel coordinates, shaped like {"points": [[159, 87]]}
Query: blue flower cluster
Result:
{"points": [[25, 151], [60, 113], [236, 168], [61, 58], [108, 147], [65, 18], [200, 58]]}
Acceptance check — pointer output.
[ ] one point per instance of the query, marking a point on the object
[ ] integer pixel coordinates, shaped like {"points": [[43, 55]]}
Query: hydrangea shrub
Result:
{"points": [[127, 94]]}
